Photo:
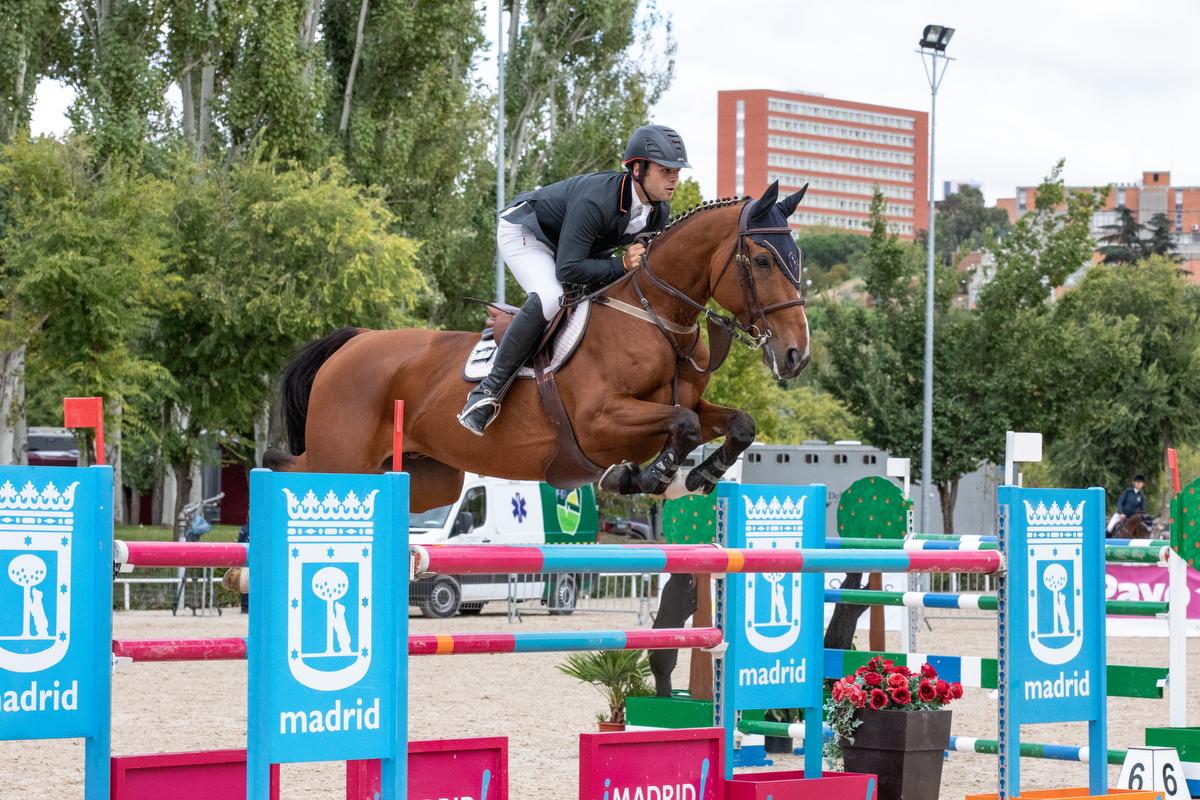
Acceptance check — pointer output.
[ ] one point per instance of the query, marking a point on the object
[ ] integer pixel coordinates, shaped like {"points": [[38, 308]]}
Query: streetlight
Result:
{"points": [[932, 49]]}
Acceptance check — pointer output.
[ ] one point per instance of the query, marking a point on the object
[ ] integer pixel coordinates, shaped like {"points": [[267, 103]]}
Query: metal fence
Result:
{"points": [[591, 593]]}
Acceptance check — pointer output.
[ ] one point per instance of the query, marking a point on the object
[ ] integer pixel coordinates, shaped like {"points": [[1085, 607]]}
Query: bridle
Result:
{"points": [[722, 329]]}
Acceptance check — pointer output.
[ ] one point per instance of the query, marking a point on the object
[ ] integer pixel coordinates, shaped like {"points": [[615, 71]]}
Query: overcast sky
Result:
{"points": [[1113, 87]]}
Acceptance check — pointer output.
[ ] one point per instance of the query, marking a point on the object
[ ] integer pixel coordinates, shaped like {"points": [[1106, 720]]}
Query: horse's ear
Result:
{"points": [[762, 205], [788, 204]]}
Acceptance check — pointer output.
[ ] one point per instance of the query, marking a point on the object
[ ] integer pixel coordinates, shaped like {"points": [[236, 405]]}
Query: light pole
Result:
{"points": [[499, 141], [932, 49]]}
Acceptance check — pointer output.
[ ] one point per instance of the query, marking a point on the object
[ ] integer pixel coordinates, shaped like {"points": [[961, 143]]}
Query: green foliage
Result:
{"points": [[826, 250], [1160, 242], [420, 131], [83, 269], [687, 196], [618, 674], [996, 368], [1147, 395], [579, 79], [781, 413], [964, 224], [1122, 242], [29, 41]]}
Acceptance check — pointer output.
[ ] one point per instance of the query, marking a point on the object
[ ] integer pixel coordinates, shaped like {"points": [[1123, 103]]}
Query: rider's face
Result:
{"points": [[659, 182]]}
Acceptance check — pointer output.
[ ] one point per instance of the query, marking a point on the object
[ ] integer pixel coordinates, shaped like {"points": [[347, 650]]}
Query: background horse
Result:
{"points": [[633, 388], [1135, 526]]}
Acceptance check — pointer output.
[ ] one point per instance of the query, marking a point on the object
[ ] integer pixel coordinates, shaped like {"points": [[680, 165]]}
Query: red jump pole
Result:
{"points": [[398, 438]]}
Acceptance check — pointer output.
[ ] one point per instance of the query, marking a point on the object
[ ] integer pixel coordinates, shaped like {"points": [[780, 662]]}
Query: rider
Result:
{"points": [[566, 233], [1132, 501]]}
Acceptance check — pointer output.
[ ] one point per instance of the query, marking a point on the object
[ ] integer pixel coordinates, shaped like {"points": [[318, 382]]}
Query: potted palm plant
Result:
{"points": [[893, 722], [617, 674]]}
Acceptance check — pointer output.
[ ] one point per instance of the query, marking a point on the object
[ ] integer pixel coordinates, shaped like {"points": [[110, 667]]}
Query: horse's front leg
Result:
{"points": [[738, 429], [628, 418]]}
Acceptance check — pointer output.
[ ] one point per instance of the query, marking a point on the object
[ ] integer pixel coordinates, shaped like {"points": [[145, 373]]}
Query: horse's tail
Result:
{"points": [[297, 380]]}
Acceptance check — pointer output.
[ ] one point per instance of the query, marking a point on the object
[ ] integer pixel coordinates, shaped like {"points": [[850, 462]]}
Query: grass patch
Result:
{"points": [[157, 533]]}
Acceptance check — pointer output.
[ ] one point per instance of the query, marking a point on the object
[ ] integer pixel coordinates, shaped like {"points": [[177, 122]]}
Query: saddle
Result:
{"points": [[568, 467]]}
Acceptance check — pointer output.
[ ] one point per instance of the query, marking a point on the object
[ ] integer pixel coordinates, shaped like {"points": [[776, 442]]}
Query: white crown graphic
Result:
{"points": [[775, 511], [30, 499], [1054, 517], [332, 508]]}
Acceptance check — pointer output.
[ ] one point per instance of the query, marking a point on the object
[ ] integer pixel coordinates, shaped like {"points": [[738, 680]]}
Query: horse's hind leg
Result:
{"points": [[431, 483]]}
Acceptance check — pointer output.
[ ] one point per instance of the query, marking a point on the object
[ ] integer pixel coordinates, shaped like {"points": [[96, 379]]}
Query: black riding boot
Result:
{"points": [[522, 336]]}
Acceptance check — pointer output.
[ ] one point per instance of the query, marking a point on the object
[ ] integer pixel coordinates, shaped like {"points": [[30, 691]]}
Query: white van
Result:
{"points": [[499, 511]]}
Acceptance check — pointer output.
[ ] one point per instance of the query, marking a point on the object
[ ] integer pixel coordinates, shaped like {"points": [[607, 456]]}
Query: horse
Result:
{"points": [[1135, 526], [633, 388]]}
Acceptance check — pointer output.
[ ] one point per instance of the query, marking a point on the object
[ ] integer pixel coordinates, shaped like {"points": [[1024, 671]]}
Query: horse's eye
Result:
{"points": [[761, 260]]}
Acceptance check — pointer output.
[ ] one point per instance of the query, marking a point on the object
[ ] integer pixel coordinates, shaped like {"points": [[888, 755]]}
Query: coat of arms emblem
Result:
{"points": [[36, 529], [1055, 540], [330, 541], [773, 599]]}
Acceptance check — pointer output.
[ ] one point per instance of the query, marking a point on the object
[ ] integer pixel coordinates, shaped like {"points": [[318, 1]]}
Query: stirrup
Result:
{"points": [[476, 406]]}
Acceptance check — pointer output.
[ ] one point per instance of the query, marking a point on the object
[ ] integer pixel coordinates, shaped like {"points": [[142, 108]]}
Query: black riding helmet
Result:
{"points": [[659, 144]]}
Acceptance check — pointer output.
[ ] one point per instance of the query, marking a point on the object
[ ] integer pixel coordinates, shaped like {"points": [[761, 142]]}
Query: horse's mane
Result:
{"points": [[707, 205]]}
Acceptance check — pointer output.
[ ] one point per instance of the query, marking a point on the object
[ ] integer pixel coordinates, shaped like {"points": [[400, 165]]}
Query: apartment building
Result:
{"points": [[841, 148], [1153, 195]]}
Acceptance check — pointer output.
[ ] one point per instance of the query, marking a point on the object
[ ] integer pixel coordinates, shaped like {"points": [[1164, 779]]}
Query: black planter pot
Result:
{"points": [[905, 749], [777, 744]]}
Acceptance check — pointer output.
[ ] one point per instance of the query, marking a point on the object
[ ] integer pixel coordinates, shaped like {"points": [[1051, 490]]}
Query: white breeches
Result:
{"points": [[532, 264]]}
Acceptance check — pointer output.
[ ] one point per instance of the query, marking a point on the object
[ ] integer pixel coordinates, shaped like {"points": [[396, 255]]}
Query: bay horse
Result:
{"points": [[1135, 526], [633, 388]]}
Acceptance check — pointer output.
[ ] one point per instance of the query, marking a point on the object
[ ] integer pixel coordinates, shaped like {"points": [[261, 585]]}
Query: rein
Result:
{"points": [[721, 329]]}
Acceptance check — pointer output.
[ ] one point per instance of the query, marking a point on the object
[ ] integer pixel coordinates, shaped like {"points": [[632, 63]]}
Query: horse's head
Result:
{"points": [[766, 296]]}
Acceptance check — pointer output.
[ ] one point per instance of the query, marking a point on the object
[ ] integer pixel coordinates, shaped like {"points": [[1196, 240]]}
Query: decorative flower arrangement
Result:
{"points": [[882, 686]]}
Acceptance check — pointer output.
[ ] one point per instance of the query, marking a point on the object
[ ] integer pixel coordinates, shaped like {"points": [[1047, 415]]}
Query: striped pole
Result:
{"points": [[976, 602], [1114, 552], [705, 559], [951, 537], [234, 649], [1057, 752]]}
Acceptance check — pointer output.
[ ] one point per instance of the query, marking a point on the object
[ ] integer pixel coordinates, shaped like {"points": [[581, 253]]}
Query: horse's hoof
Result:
{"points": [[616, 479]]}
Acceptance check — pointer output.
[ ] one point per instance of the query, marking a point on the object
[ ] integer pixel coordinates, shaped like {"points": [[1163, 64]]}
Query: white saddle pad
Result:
{"points": [[479, 363]]}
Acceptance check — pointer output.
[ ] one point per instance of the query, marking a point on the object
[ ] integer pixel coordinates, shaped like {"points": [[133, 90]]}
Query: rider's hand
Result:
{"points": [[633, 256]]}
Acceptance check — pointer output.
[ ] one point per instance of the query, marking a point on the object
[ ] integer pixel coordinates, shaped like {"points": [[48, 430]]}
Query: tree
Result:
{"points": [[30, 41], [1122, 243], [1145, 398], [417, 127], [687, 196], [1160, 242], [824, 250], [82, 274], [995, 369], [580, 77], [963, 224]]}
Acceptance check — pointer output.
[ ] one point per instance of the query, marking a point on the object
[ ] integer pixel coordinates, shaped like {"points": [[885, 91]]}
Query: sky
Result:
{"points": [[1112, 87]]}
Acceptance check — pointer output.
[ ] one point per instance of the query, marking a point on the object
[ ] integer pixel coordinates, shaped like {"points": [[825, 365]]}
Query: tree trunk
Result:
{"points": [[182, 474], [262, 433], [308, 35], [21, 426], [188, 102], [18, 102], [207, 75], [843, 623], [135, 506], [358, 43], [12, 367], [113, 446], [948, 495]]}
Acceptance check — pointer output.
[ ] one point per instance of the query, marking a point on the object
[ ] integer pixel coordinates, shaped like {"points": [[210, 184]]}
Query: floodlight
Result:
{"points": [[936, 37]]}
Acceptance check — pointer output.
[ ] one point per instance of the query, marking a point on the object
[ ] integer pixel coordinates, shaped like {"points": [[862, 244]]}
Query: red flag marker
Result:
{"points": [[398, 438], [86, 412]]}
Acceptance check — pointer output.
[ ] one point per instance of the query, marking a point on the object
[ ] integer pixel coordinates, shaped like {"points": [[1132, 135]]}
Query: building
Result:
{"points": [[842, 149], [1153, 195]]}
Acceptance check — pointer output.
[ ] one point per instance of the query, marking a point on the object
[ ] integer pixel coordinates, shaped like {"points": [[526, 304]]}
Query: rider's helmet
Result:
{"points": [[659, 144]]}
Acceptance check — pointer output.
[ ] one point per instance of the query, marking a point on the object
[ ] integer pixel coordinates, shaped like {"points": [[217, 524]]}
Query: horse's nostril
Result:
{"points": [[793, 358]]}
